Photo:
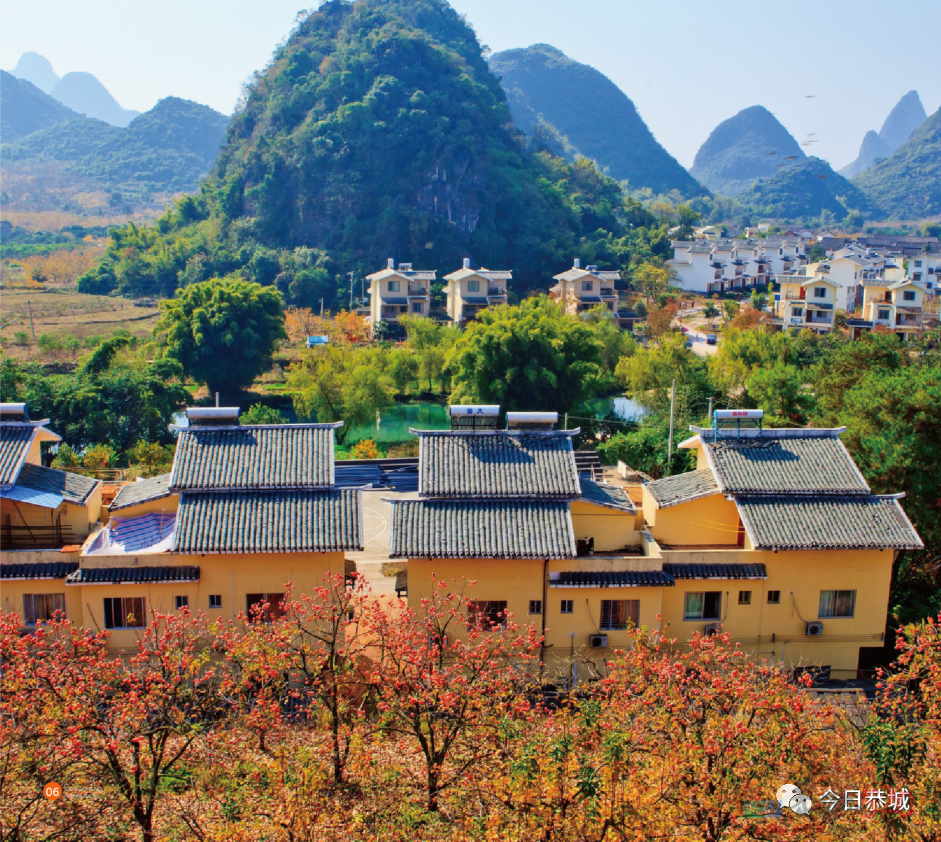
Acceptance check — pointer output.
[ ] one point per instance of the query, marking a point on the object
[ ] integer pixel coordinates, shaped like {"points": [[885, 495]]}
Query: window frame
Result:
{"points": [[181, 601], [417, 307], [127, 609], [836, 605], [774, 597], [908, 294], [820, 292], [473, 286], [537, 605], [494, 611], [567, 606], [394, 286], [619, 614], [744, 597], [588, 286], [702, 618], [47, 616], [274, 611], [218, 598]]}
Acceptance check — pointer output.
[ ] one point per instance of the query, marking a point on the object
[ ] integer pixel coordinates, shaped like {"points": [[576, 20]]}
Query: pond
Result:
{"points": [[392, 424]]}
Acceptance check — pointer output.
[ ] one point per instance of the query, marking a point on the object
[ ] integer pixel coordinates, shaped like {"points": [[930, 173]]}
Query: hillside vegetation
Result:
{"points": [[590, 115], [907, 184], [25, 109], [749, 146], [804, 191], [376, 131]]}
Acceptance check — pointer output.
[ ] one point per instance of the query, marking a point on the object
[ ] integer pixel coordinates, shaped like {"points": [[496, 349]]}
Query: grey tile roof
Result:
{"points": [[476, 300], [497, 464], [124, 575], [398, 301], [73, 488], [827, 523], [43, 570], [254, 458], [611, 579], [481, 529], [764, 465], [603, 494], [671, 491], [14, 442], [142, 491], [716, 571], [329, 520]]}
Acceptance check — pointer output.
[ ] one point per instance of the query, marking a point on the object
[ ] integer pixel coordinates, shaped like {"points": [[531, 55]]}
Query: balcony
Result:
{"points": [[607, 292], [496, 292], [418, 292]]}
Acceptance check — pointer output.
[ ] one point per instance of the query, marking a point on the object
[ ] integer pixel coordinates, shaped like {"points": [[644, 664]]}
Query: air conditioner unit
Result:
{"points": [[597, 641], [713, 629], [814, 629]]}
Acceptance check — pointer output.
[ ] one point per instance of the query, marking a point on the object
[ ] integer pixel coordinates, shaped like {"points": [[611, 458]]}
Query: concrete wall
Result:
{"points": [[706, 521], [611, 529]]}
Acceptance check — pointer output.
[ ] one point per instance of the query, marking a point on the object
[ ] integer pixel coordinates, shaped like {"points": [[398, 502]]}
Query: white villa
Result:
{"points": [[581, 289], [471, 290], [397, 291]]}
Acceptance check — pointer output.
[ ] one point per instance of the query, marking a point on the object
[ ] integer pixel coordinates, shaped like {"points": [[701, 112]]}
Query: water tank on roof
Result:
{"points": [[483, 410], [212, 416], [727, 414], [532, 420]]}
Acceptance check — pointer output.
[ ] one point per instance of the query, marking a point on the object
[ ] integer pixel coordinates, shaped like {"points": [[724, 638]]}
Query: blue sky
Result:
{"points": [[687, 65]]}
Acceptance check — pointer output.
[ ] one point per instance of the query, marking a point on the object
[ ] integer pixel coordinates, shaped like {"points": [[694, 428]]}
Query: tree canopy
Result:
{"points": [[529, 357], [222, 332]]}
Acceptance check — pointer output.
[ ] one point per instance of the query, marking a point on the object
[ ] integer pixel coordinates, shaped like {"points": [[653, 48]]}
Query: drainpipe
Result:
{"points": [[545, 596]]}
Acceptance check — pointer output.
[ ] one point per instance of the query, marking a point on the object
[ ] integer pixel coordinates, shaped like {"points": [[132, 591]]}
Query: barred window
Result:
{"points": [[487, 613], [617, 614], [535, 606], [568, 606], [837, 604], [126, 612], [40, 607]]}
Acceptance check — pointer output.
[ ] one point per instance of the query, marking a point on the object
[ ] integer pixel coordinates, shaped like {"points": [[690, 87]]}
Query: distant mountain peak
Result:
{"points": [[749, 146], [36, 69], [907, 116], [82, 92], [873, 148], [589, 115]]}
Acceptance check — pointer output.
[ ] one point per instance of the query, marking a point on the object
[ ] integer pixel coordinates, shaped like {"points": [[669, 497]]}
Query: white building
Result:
{"points": [[581, 289], [925, 269], [395, 292], [471, 290]]}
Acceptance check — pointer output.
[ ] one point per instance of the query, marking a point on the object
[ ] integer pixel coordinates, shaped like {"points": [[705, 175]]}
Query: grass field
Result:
{"points": [[62, 312]]}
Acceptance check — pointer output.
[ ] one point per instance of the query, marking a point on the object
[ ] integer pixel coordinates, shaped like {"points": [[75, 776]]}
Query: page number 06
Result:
{"points": [[52, 791]]}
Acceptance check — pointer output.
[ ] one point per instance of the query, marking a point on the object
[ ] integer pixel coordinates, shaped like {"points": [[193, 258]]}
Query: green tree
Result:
{"points": [[709, 310], [341, 383], [530, 357], [781, 392], [402, 367], [759, 300], [729, 310], [615, 343], [651, 281], [223, 331], [258, 413], [647, 376], [645, 449]]}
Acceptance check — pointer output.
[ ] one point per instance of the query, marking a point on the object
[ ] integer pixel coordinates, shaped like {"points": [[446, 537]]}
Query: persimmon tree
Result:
{"points": [[445, 675]]}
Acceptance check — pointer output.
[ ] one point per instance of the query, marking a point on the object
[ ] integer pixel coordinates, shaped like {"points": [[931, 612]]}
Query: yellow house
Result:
{"points": [[894, 305], [807, 302], [581, 289], [245, 510], [397, 291], [471, 290], [775, 538]]}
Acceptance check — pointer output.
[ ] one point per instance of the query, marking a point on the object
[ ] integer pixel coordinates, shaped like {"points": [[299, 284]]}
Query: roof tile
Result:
{"points": [[716, 571], [604, 494], [611, 579], [481, 529], [43, 570], [73, 488], [126, 575], [142, 491], [14, 442], [681, 488]]}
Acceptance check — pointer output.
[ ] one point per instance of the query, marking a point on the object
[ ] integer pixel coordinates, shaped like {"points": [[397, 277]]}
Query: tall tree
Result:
{"points": [[223, 331]]}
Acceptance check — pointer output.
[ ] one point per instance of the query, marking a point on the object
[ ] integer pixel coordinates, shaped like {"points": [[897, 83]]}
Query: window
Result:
{"points": [[883, 314], [774, 597], [182, 602], [487, 613], [587, 286], [416, 307], [255, 602], [215, 600], [909, 294], [703, 605], [916, 277], [797, 311], [567, 607], [616, 614], [918, 263], [744, 597], [535, 606], [473, 286], [393, 286], [820, 292], [39, 607], [837, 604], [124, 612]]}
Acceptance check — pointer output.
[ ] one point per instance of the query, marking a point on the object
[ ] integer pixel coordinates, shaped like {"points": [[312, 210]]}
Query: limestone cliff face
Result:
{"points": [[873, 149], [907, 116]]}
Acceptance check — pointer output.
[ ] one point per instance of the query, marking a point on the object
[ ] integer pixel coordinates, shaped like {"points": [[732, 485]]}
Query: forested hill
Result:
{"points": [[744, 148], [25, 109], [166, 150], [907, 184], [550, 94], [803, 192], [376, 131]]}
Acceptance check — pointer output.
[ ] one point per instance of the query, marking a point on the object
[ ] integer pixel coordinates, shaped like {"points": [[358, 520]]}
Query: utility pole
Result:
{"points": [[32, 330], [710, 409], [321, 308], [351, 291], [670, 445]]}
